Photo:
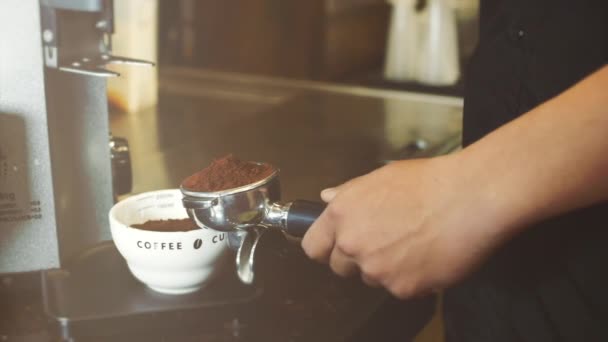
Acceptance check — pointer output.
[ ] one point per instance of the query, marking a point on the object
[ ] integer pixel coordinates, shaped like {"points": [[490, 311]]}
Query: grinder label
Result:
{"points": [[16, 205], [10, 211]]}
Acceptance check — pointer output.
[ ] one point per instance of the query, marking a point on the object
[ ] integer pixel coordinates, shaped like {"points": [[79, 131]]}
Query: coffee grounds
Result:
{"points": [[227, 173], [182, 225]]}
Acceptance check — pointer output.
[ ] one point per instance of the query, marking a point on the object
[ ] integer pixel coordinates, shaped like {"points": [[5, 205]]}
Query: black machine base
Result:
{"points": [[96, 297]]}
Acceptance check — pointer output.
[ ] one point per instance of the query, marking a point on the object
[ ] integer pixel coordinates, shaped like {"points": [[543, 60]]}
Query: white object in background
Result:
{"points": [[136, 35], [167, 262], [439, 63], [402, 46]]}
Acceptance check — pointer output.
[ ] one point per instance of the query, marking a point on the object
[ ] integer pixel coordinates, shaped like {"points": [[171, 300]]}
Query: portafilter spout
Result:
{"points": [[250, 206]]}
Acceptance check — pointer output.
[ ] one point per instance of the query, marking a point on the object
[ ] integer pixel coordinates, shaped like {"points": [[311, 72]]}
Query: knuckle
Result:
{"points": [[404, 290], [374, 271], [370, 282], [348, 245], [318, 257], [314, 253], [334, 212], [338, 270]]}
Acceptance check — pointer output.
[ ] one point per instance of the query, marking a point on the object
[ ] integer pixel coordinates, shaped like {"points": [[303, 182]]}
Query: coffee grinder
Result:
{"points": [[56, 180], [59, 173]]}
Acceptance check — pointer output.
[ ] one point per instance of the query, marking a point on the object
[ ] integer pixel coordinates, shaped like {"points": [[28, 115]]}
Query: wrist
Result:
{"points": [[498, 212]]}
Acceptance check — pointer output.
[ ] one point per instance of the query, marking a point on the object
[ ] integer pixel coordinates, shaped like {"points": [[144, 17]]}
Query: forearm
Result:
{"points": [[551, 160]]}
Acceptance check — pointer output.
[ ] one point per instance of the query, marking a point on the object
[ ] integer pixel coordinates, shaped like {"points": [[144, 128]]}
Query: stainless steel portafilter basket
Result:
{"points": [[250, 206], [246, 212]]}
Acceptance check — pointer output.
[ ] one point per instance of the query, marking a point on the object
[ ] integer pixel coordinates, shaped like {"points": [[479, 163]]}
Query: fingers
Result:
{"points": [[320, 239], [341, 264]]}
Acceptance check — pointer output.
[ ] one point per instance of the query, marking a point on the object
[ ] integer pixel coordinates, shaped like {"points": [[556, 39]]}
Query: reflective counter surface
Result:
{"points": [[319, 135]]}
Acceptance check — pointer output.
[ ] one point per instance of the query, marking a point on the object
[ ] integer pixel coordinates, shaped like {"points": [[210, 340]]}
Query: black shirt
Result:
{"points": [[551, 282]]}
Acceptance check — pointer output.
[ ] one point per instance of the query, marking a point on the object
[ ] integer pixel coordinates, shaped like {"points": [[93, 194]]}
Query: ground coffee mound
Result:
{"points": [[182, 225], [227, 173]]}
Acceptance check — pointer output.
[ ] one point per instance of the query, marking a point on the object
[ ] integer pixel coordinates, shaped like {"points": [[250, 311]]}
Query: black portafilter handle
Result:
{"points": [[301, 215]]}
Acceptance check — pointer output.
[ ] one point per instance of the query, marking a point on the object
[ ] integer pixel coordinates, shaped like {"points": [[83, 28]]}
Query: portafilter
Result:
{"points": [[250, 206]]}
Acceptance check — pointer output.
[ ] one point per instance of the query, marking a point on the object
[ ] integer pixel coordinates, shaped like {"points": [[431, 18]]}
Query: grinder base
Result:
{"points": [[96, 296]]}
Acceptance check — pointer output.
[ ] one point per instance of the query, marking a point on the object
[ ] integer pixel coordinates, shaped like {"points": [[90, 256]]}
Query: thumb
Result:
{"points": [[328, 194]]}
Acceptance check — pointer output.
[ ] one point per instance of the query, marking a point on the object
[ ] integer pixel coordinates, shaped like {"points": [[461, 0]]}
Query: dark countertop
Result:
{"points": [[319, 135], [375, 79]]}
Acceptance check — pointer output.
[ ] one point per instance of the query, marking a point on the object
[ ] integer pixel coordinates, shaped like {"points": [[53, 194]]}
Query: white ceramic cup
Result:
{"points": [[167, 262]]}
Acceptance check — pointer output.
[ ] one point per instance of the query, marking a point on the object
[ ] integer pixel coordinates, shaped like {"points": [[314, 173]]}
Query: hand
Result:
{"points": [[411, 227]]}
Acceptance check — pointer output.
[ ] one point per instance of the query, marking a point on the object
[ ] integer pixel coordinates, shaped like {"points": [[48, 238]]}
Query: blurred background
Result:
{"points": [[412, 45]]}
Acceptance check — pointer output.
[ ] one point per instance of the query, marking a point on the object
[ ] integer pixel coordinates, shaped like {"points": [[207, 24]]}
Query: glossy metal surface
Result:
{"points": [[251, 206], [122, 177], [245, 256], [96, 66], [240, 208]]}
